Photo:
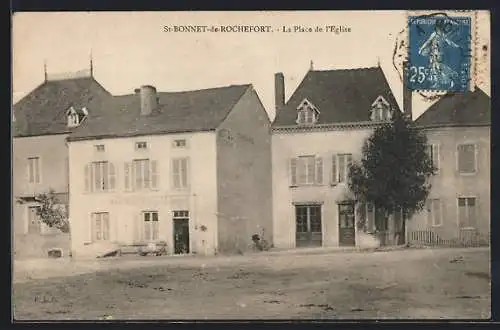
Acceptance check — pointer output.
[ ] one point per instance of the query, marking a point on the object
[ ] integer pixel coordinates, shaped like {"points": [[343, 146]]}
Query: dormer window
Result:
{"points": [[380, 110], [307, 113], [76, 116]]}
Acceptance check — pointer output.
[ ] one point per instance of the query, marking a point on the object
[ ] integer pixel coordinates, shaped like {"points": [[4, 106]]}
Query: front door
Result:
{"points": [[308, 225], [181, 236], [346, 224]]}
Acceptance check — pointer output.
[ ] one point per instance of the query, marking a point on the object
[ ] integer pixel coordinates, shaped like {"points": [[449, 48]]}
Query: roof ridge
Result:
{"points": [[191, 90], [348, 69]]}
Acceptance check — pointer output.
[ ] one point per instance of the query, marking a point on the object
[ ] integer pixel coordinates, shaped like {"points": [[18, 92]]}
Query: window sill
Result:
{"points": [[467, 173], [305, 185]]}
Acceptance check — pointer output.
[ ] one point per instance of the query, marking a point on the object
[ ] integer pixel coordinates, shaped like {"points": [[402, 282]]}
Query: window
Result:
{"points": [[183, 214], [340, 167], [100, 176], [308, 218], [180, 143], [466, 158], [380, 110], [34, 225], [307, 113], [467, 212], [180, 172], [433, 153], [434, 212], [99, 147], [34, 174], [151, 230], [141, 174], [306, 170], [141, 145], [73, 119], [100, 226]]}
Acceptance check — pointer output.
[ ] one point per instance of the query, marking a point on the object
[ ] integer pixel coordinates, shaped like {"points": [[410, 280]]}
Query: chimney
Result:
{"points": [[149, 100], [407, 93], [279, 90]]}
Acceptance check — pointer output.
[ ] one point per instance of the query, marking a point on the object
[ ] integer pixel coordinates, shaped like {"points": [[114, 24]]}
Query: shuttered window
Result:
{"points": [[467, 212], [180, 174], [433, 153], [141, 174], [306, 170], [100, 226], [340, 167], [34, 175], [466, 158], [434, 212], [150, 225], [100, 176]]}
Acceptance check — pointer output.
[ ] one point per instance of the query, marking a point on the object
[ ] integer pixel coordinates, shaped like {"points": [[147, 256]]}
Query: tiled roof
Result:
{"points": [[43, 111], [458, 109], [341, 96], [188, 111]]}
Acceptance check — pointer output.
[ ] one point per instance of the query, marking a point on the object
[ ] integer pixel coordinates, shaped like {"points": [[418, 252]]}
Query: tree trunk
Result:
{"points": [[402, 234]]}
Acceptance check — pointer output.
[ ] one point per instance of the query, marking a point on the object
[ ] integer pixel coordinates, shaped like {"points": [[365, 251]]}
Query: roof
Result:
{"points": [[458, 109], [43, 111], [189, 111], [341, 96]]}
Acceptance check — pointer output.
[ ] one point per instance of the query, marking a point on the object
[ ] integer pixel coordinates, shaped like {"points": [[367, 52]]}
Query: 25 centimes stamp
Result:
{"points": [[439, 53]]}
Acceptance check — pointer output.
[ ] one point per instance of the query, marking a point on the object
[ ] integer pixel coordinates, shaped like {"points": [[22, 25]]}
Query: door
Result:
{"points": [[33, 220], [346, 224], [181, 236], [308, 225]]}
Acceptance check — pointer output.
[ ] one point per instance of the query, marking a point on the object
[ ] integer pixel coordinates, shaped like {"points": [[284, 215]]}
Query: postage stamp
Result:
{"points": [[439, 53]]}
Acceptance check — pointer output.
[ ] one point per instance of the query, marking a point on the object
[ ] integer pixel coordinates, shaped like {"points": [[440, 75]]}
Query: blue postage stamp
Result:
{"points": [[439, 53]]}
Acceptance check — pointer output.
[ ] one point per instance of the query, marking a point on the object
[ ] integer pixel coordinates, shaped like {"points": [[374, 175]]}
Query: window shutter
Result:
{"points": [[435, 155], [319, 170], [111, 176], [87, 177], [37, 170], [185, 171], [127, 174], [154, 174], [138, 232], [334, 169], [293, 171], [176, 177], [428, 207]]}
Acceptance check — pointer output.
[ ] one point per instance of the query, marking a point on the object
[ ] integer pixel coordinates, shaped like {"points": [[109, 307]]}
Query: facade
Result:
{"points": [[189, 169], [42, 120], [315, 135], [458, 207]]}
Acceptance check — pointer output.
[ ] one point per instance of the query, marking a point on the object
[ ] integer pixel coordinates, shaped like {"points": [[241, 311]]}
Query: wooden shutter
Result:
{"points": [[319, 170], [335, 175], [176, 177], [293, 171], [154, 174], [111, 176], [435, 155], [86, 174], [127, 174], [138, 225], [185, 172]]}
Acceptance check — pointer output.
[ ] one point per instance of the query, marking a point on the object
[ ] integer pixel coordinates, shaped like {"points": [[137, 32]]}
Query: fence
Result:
{"points": [[465, 238]]}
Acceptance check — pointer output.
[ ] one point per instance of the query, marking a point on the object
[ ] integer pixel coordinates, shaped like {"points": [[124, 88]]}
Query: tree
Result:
{"points": [[394, 172], [50, 211]]}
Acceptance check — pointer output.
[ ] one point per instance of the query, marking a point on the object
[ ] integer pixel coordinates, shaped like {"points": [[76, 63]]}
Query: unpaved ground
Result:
{"points": [[442, 283]]}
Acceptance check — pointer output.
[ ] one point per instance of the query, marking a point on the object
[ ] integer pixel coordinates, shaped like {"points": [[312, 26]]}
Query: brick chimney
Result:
{"points": [[407, 93], [149, 99], [279, 90]]}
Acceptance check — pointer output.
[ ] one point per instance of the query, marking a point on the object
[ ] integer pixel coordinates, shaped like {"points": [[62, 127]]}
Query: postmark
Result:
{"points": [[439, 50]]}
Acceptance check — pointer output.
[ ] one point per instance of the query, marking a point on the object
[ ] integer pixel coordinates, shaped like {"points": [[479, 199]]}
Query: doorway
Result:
{"points": [[308, 225], [346, 224], [181, 232]]}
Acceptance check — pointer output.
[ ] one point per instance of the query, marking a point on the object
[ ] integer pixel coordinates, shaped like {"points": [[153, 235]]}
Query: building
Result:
{"points": [[41, 122], [458, 208], [190, 169], [315, 135]]}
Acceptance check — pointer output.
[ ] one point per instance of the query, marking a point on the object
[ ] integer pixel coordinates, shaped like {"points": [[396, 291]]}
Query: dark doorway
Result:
{"points": [[346, 224], [308, 225], [181, 234]]}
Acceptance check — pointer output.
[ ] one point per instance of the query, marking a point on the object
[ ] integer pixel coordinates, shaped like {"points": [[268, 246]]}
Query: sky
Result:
{"points": [[130, 49]]}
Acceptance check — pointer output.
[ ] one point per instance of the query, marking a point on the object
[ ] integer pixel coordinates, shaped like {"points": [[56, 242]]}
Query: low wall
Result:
{"points": [[36, 245]]}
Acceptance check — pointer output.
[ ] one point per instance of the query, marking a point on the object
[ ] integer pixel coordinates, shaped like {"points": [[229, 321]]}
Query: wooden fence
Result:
{"points": [[465, 238]]}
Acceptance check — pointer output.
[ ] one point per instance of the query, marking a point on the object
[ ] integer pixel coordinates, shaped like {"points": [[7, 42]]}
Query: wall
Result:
{"points": [[244, 175], [53, 155], [125, 207], [448, 184], [37, 246], [325, 144]]}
